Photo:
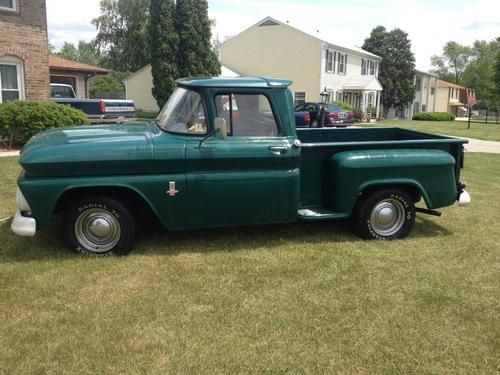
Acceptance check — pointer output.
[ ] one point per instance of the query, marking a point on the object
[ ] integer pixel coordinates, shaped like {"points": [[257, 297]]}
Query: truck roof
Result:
{"points": [[258, 82]]}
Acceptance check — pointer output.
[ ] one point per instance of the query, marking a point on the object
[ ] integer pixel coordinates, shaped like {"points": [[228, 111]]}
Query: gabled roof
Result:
{"points": [[363, 83], [56, 62], [269, 22], [225, 72]]}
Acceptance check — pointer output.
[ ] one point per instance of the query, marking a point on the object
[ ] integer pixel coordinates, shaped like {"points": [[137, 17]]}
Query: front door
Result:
{"points": [[249, 177]]}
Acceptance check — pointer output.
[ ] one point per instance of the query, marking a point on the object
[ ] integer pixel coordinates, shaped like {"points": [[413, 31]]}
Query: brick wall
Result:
{"points": [[23, 34]]}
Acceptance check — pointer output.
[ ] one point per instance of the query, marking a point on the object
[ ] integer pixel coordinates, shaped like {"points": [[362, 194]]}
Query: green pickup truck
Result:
{"points": [[225, 152]]}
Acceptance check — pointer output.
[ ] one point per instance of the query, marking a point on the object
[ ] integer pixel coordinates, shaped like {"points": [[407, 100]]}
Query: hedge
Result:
{"points": [[433, 116], [343, 105], [20, 120]]}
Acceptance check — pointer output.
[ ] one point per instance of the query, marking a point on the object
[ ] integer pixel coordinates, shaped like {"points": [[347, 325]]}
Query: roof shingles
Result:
{"points": [[56, 62]]}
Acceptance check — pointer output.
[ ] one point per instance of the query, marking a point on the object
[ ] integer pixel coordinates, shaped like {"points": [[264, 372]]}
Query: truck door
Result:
{"points": [[249, 177]]}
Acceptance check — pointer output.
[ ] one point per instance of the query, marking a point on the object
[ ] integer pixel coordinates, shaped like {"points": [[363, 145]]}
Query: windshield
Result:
{"points": [[183, 113], [333, 108]]}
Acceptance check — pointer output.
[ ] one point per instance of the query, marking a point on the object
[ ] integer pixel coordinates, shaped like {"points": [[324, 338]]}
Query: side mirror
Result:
{"points": [[220, 127]]}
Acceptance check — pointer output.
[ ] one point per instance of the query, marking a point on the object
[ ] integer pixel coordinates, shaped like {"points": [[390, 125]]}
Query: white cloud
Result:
{"points": [[430, 24], [70, 20]]}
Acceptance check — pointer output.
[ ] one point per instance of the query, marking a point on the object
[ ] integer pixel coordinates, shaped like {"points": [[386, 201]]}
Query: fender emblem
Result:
{"points": [[171, 189]]}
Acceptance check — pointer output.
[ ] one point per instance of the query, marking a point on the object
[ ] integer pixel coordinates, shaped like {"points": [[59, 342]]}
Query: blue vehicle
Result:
{"points": [[307, 115], [97, 110]]}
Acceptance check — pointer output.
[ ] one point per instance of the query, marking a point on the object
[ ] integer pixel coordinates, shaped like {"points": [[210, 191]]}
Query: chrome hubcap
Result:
{"points": [[97, 230], [387, 217]]}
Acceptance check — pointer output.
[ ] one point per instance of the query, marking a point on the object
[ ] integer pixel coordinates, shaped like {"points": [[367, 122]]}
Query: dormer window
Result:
{"points": [[10, 5]]}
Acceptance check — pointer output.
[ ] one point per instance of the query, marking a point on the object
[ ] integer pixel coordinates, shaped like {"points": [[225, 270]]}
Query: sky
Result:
{"points": [[429, 23]]}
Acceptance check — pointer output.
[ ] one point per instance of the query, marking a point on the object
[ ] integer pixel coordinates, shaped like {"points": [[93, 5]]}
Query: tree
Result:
{"points": [[195, 55], [122, 34], [85, 53], [68, 51], [397, 69], [480, 73], [109, 83], [164, 44], [453, 62], [497, 71]]}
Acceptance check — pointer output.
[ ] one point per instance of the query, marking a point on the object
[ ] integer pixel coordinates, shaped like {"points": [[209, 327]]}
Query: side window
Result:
{"points": [[247, 115]]}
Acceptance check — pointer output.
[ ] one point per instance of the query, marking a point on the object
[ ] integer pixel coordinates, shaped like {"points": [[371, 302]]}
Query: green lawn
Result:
{"points": [[488, 132], [289, 299]]}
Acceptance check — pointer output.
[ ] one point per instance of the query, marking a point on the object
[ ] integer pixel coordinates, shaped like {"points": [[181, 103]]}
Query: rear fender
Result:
{"points": [[348, 174]]}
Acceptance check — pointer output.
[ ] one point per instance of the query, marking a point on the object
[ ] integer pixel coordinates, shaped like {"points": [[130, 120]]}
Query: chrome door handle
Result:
{"points": [[278, 149]]}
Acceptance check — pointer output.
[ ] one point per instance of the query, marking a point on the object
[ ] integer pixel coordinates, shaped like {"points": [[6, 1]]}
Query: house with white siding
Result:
{"points": [[316, 66]]}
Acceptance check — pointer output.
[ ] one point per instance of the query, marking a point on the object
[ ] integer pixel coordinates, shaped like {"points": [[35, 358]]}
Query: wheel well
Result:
{"points": [[413, 191], [128, 197]]}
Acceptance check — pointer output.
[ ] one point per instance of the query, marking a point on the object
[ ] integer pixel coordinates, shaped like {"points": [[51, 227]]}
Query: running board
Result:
{"points": [[319, 213], [428, 212]]}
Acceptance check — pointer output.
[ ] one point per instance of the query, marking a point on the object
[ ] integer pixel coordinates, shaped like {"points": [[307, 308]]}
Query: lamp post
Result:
{"points": [[322, 112]]}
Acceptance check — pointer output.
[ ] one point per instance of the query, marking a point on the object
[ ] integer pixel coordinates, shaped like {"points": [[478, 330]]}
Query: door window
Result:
{"points": [[247, 115]]}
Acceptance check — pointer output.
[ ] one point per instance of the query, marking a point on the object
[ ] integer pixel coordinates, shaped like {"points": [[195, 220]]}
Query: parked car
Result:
{"points": [[97, 110], [198, 165], [307, 115]]}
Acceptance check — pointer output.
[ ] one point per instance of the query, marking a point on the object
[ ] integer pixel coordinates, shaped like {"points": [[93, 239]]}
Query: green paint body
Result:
{"points": [[238, 180]]}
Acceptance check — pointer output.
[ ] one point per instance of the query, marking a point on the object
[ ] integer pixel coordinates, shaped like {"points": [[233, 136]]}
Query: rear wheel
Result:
{"points": [[385, 215], [100, 226]]}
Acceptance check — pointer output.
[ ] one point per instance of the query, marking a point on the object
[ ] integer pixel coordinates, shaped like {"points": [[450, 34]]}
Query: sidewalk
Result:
{"points": [[9, 153]]}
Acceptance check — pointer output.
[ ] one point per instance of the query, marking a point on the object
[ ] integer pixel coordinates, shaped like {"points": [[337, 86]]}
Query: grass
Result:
{"points": [[487, 132], [301, 298]]}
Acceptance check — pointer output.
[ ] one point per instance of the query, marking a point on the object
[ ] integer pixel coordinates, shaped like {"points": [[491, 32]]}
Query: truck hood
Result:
{"points": [[89, 150]]}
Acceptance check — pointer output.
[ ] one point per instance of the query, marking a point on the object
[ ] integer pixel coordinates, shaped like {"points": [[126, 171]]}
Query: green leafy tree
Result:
{"points": [[497, 70], [122, 34], [110, 83], [450, 66], [164, 44], [195, 56], [68, 51], [85, 53], [397, 70]]}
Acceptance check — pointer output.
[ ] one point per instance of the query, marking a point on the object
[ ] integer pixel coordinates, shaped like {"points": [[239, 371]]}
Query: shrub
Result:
{"points": [[358, 114], [433, 116], [20, 120], [343, 105], [373, 111], [139, 113]]}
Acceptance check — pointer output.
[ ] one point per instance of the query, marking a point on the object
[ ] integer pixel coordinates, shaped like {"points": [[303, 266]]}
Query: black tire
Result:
{"points": [[386, 214], [99, 226]]}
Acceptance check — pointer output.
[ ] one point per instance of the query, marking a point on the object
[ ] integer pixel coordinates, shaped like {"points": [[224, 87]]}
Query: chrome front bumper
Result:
{"points": [[22, 225]]}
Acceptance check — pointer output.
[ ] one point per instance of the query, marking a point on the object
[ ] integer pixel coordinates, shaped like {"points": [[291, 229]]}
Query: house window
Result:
{"points": [[300, 98], [329, 61], [424, 108], [419, 83], [433, 90], [339, 96], [8, 5], [342, 63], [363, 67], [416, 107], [11, 87]]}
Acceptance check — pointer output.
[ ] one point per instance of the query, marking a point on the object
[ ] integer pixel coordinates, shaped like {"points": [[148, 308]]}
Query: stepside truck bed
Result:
{"points": [[322, 150]]}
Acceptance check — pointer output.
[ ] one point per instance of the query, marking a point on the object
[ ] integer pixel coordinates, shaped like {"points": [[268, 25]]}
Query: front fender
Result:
{"points": [[349, 173], [43, 194]]}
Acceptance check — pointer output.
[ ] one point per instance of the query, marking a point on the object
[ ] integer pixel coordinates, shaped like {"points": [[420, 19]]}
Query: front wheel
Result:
{"points": [[99, 226], [385, 215]]}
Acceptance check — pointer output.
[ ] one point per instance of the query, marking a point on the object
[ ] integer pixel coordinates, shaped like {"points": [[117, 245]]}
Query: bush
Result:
{"points": [[343, 105], [139, 113], [373, 111], [20, 120], [433, 116], [358, 114]]}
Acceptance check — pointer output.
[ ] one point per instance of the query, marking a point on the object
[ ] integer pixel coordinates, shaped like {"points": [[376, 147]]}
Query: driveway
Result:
{"points": [[477, 145]]}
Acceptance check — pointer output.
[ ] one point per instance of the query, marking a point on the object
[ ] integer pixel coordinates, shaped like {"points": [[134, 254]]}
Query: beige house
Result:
{"points": [[435, 95], [274, 48], [139, 86]]}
